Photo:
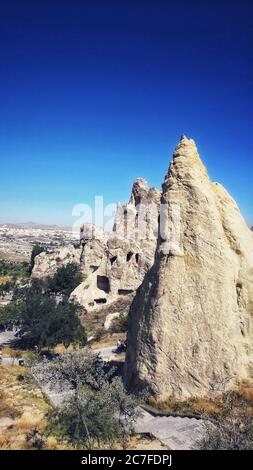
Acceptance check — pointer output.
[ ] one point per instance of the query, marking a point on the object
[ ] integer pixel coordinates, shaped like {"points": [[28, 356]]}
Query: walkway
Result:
{"points": [[175, 433]]}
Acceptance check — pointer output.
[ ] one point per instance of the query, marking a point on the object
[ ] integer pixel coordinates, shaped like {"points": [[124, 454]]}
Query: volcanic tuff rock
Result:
{"points": [[138, 219], [113, 264], [47, 262], [190, 328], [128, 253]]}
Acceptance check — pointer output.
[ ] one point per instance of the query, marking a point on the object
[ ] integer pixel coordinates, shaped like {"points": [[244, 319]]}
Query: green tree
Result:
{"points": [[99, 410], [78, 368], [87, 418], [7, 287], [66, 279], [10, 315], [97, 417], [44, 322], [14, 269]]}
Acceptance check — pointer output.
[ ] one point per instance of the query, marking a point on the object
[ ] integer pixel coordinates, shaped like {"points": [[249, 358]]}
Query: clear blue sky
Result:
{"points": [[96, 93]]}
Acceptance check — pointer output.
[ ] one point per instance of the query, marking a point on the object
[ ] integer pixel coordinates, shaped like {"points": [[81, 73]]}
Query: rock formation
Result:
{"points": [[47, 263], [113, 264], [127, 254], [190, 330]]}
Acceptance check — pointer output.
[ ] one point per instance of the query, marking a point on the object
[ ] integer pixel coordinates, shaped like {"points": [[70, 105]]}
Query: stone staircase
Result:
{"points": [[176, 433]]}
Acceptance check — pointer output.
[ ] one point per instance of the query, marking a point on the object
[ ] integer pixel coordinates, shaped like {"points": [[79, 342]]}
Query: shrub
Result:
{"points": [[66, 279], [14, 269], [120, 324], [99, 334], [230, 430], [36, 439], [99, 411], [9, 315], [23, 378], [6, 287], [42, 321]]}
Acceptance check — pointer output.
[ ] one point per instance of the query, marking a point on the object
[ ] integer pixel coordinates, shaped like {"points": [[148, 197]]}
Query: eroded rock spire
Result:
{"points": [[190, 326]]}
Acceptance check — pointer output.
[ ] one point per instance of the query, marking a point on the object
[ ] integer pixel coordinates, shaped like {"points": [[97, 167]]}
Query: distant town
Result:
{"points": [[17, 240]]}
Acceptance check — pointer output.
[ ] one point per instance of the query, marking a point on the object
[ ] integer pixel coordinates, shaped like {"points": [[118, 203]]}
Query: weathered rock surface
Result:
{"points": [[109, 319], [190, 328], [47, 263], [113, 264], [138, 219], [127, 254]]}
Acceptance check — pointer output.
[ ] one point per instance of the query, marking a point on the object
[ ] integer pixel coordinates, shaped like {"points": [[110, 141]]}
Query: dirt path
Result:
{"points": [[107, 352]]}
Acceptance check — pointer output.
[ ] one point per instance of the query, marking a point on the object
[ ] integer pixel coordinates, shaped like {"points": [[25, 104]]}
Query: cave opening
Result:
{"points": [[125, 291], [113, 259], [103, 283], [100, 301], [129, 255], [93, 268]]}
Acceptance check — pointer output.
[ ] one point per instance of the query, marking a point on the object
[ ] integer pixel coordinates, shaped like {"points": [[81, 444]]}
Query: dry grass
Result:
{"points": [[120, 357], [108, 340], [4, 279], [11, 352], [60, 348], [206, 405], [144, 442], [246, 392], [22, 401], [94, 320], [6, 407], [193, 405]]}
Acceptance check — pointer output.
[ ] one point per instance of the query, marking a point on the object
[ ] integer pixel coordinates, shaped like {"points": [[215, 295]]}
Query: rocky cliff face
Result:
{"points": [[127, 254], [138, 219], [47, 263], [190, 329], [113, 264]]}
